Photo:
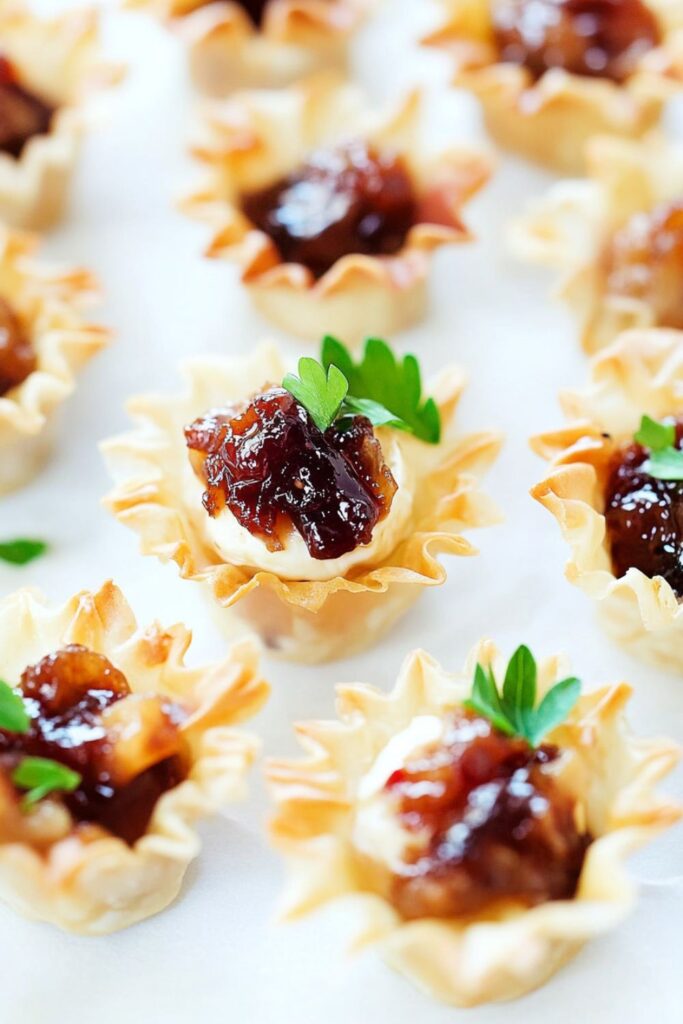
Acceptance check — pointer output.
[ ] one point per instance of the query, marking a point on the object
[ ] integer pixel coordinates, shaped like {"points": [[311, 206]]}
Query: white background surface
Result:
{"points": [[215, 955]]}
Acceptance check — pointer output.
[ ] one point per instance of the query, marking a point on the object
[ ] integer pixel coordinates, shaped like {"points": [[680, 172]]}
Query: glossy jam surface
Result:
{"points": [[352, 199], [498, 826], [17, 357], [65, 695], [22, 114], [645, 261], [644, 517], [604, 38], [268, 462]]}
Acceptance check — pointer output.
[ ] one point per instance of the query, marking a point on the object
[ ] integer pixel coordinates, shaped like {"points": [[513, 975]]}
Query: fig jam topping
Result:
{"points": [[352, 199], [22, 114], [644, 517], [273, 468], [604, 38], [497, 824], [17, 358], [645, 261], [65, 695], [255, 9]]}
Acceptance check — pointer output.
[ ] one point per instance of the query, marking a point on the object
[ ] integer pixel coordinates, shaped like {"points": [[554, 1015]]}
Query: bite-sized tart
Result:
{"points": [[479, 838], [44, 341], [615, 486], [617, 237], [267, 44], [110, 749], [315, 505], [331, 211], [549, 74], [47, 68]]}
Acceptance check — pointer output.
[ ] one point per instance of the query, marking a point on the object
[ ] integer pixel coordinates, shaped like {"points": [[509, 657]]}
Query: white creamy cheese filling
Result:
{"points": [[377, 831], [236, 545]]}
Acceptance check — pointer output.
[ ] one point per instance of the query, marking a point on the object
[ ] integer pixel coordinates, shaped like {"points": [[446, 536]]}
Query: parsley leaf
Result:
{"points": [[321, 394], [13, 715], [514, 712], [21, 551], [42, 776], [666, 460], [395, 386], [655, 436]]}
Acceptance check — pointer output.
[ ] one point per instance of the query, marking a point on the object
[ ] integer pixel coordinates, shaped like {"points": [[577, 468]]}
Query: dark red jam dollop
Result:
{"points": [[644, 517], [352, 199], [499, 826], [65, 694], [645, 261], [255, 9], [604, 38], [22, 114], [268, 462], [17, 357]]}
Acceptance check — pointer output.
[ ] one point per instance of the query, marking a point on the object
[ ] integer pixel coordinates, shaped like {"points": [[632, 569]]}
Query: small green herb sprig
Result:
{"points": [[386, 390], [21, 551], [38, 775], [514, 711], [665, 461]]}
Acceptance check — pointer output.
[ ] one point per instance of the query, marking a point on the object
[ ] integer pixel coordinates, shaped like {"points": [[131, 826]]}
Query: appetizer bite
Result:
{"points": [[617, 237], [110, 749], [549, 74], [268, 44], [479, 835], [615, 486], [315, 505], [47, 68], [330, 212], [44, 341]]}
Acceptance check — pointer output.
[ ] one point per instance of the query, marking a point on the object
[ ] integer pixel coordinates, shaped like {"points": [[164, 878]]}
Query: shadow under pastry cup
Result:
{"points": [[337, 827], [366, 285], [306, 609], [41, 314], [617, 238], [295, 38], [52, 65], [78, 874], [640, 374], [549, 117]]}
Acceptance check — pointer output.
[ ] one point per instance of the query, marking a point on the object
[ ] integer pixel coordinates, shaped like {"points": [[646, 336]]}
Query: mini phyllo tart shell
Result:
{"points": [[641, 373], [298, 616], [48, 303], [97, 883], [505, 952], [57, 59], [573, 225], [227, 51], [259, 138], [550, 120]]}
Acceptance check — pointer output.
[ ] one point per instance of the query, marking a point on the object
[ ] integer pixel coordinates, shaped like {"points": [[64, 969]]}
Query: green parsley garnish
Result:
{"points": [[13, 716], [380, 387], [666, 460], [21, 551], [513, 711], [42, 776], [320, 393]]}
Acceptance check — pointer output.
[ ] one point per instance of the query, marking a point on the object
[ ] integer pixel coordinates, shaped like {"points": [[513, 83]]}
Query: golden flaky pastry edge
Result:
{"points": [[640, 373], [259, 137], [549, 121], [513, 950], [301, 619], [103, 885], [49, 302]]}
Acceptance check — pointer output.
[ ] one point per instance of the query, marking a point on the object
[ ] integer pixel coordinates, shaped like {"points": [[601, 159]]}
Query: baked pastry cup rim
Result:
{"points": [[105, 884], [476, 961]]}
